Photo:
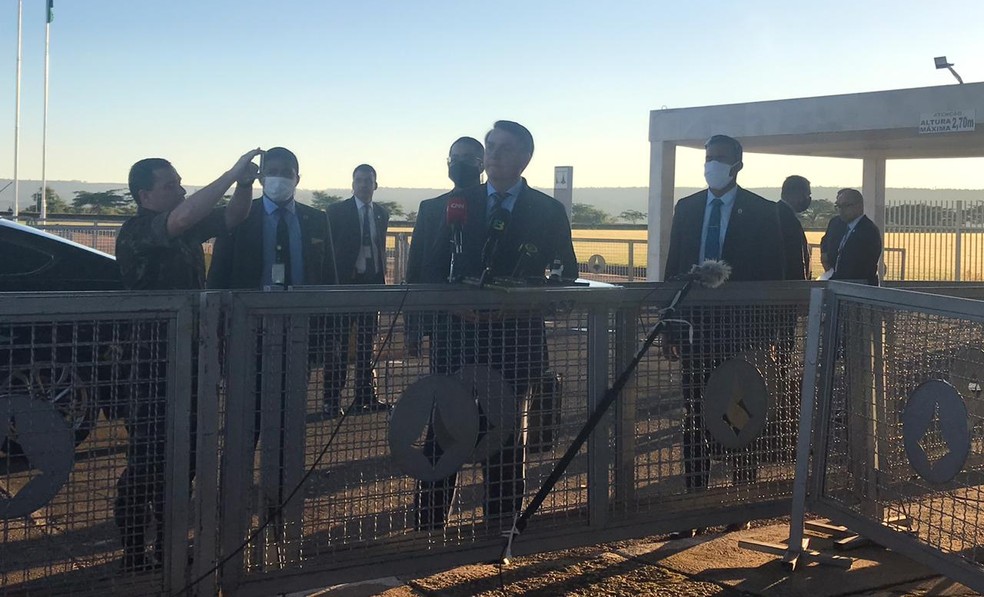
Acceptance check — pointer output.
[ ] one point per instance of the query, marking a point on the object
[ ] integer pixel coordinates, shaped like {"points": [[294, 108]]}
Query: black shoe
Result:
{"points": [[687, 533], [372, 405], [737, 526]]}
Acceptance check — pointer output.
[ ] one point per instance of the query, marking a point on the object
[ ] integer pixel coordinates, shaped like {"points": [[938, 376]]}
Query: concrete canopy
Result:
{"points": [[872, 127]]}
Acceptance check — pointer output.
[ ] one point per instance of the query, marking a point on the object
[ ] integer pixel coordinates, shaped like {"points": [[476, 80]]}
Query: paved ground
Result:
{"points": [[707, 565]]}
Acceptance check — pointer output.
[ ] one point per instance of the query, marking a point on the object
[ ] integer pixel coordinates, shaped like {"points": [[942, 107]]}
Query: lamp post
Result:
{"points": [[942, 63]]}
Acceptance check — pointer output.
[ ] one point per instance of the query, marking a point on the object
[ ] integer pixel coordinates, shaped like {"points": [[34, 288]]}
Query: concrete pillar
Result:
{"points": [[873, 189], [662, 179]]}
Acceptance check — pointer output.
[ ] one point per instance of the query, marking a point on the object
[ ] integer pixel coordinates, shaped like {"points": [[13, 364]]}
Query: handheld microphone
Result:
{"points": [[526, 252], [455, 216], [497, 227]]}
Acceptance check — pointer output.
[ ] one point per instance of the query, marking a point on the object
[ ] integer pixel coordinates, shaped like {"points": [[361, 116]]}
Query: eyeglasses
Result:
{"points": [[848, 204], [463, 159]]}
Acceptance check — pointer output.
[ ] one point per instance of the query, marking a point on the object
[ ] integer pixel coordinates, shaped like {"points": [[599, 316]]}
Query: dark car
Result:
{"points": [[72, 365]]}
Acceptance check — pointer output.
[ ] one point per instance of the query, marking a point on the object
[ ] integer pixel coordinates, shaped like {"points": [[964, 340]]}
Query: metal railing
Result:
{"points": [[268, 365], [896, 449]]}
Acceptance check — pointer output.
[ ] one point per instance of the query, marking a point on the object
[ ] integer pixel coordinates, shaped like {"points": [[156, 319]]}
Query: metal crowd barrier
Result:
{"points": [[94, 442], [291, 496], [897, 446]]}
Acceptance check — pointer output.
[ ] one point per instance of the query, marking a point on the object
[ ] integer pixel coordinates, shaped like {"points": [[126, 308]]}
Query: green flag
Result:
{"points": [[51, 10]]}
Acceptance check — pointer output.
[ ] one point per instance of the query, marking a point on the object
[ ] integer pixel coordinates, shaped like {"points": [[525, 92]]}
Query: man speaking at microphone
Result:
{"points": [[512, 231]]}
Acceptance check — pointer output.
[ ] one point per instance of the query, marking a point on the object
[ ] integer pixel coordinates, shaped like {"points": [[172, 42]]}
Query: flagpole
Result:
{"points": [[43, 208], [20, 13]]}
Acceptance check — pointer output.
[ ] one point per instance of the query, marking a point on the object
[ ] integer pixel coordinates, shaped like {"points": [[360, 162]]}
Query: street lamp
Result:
{"points": [[942, 63]]}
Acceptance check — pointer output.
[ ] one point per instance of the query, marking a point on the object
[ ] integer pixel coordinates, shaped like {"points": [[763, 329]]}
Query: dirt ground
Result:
{"points": [[710, 564]]}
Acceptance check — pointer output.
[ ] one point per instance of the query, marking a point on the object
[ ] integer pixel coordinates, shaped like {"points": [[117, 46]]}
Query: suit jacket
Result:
{"points": [[431, 219], [536, 234], [858, 259], [752, 243], [346, 231], [796, 250], [831, 240], [237, 258]]}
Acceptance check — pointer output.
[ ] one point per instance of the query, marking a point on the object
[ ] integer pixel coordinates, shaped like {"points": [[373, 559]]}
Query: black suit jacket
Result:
{"points": [[237, 258], [346, 231], [429, 226], [752, 244], [796, 250], [536, 234], [858, 259]]}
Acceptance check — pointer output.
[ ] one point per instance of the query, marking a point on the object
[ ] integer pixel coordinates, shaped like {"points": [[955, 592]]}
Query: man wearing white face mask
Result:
{"points": [[727, 223], [282, 242]]}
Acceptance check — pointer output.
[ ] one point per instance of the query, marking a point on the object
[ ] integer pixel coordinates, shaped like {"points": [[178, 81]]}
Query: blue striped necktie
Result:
{"points": [[712, 243]]}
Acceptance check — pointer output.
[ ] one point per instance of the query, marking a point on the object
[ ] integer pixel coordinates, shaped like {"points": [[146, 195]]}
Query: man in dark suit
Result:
{"points": [[724, 222], [857, 245], [281, 243], [534, 234], [358, 227], [465, 166], [795, 198]]}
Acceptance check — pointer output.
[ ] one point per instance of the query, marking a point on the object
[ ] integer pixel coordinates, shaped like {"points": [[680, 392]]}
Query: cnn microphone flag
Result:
{"points": [[51, 11]]}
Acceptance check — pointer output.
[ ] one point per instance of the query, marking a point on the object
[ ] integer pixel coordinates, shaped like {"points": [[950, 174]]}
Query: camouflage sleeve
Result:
{"points": [[137, 246]]}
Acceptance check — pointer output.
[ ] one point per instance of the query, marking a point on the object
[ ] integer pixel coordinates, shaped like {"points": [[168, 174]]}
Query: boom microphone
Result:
{"points": [[709, 274]]}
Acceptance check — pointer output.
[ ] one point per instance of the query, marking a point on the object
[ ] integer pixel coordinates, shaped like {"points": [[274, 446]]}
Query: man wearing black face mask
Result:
{"points": [[465, 167], [795, 199]]}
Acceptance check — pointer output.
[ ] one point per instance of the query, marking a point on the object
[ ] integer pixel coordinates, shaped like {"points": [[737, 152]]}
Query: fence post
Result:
{"points": [[631, 261], [958, 223], [599, 451]]}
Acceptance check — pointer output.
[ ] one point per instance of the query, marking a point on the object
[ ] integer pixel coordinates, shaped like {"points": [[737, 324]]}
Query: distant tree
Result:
{"points": [[582, 213], [56, 205], [321, 199], [920, 215], [411, 216], [395, 209], [103, 202], [818, 215], [632, 215]]}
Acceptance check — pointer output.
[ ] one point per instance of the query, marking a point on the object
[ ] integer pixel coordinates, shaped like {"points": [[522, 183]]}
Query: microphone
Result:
{"points": [[497, 227], [709, 274], [455, 216], [526, 252]]}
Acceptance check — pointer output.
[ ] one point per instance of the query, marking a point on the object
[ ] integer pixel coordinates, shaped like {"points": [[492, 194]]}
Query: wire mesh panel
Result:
{"points": [[388, 426], [706, 433], [899, 434], [92, 442]]}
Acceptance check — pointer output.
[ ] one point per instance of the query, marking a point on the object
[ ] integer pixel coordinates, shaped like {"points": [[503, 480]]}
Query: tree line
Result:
{"points": [[119, 202]]}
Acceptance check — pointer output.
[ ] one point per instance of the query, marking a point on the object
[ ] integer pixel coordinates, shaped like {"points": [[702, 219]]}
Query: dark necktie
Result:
{"points": [[283, 244], [367, 240], [712, 244], [497, 201]]}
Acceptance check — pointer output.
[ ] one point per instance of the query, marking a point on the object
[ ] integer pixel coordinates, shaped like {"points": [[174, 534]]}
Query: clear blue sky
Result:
{"points": [[392, 83]]}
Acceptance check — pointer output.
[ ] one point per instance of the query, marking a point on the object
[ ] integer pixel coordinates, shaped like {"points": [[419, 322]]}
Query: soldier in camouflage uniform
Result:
{"points": [[160, 248]]}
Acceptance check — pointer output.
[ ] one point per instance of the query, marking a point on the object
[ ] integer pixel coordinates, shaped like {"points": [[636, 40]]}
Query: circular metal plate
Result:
{"points": [[736, 403], [967, 376], [596, 263], [935, 431], [497, 405], [447, 405], [48, 445]]}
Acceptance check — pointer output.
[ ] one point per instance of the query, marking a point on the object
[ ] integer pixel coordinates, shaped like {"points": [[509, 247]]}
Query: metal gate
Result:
{"points": [[897, 451]]}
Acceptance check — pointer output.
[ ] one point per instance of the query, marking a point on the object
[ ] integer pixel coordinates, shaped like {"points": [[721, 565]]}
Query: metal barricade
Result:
{"points": [[95, 397], [896, 450]]}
